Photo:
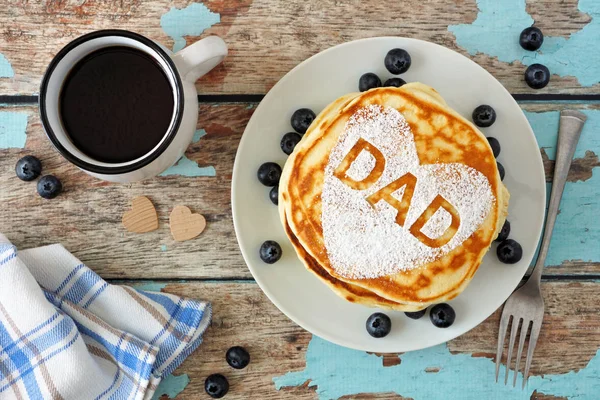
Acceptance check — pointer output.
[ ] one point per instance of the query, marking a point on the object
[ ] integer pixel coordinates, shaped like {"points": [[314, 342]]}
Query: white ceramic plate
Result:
{"points": [[315, 83]]}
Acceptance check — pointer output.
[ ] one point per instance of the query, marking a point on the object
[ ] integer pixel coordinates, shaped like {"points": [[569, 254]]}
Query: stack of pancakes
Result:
{"points": [[392, 198]]}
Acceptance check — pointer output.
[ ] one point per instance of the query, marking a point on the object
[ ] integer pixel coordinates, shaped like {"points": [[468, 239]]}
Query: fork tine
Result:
{"points": [[522, 335], [504, 319], [511, 345], [535, 331]]}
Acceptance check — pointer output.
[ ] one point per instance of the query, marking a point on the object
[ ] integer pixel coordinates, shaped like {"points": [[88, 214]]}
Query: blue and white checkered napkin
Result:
{"points": [[67, 334]]}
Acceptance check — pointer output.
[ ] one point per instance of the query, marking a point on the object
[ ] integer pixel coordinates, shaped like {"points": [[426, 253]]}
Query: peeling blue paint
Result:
{"points": [[150, 286], [576, 233], [199, 134], [163, 247], [545, 127], [13, 127], [6, 70], [496, 30], [189, 21], [171, 385], [187, 167], [336, 371]]}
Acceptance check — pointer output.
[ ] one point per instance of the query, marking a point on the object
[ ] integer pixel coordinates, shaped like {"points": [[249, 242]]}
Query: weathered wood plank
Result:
{"points": [[267, 38], [86, 218], [569, 339]]}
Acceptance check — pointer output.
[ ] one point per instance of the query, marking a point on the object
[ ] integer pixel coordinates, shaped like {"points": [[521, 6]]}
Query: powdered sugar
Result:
{"points": [[437, 225], [363, 241], [362, 166]]}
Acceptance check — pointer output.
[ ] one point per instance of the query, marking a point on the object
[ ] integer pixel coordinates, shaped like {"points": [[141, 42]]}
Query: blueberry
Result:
{"points": [[28, 168], [270, 252], [49, 187], [274, 194], [289, 142], [397, 61], [495, 145], [368, 81], [484, 116], [537, 76], [269, 174], [509, 251], [237, 357], [395, 82], [531, 38], [216, 386], [442, 315], [501, 170], [379, 325], [416, 314], [301, 119], [504, 232]]}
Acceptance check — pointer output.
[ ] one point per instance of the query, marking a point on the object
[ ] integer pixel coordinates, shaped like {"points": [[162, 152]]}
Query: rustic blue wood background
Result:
{"points": [[267, 38]]}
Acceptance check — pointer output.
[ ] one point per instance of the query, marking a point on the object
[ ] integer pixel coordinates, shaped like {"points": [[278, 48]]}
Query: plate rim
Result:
{"points": [[236, 167]]}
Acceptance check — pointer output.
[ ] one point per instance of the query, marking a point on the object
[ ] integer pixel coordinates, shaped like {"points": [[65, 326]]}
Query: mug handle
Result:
{"points": [[199, 58]]}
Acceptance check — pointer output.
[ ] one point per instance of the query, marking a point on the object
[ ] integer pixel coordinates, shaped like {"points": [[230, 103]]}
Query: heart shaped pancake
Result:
{"points": [[384, 212], [382, 192]]}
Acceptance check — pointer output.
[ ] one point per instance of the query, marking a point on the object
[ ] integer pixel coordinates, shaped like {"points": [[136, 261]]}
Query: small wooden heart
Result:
{"points": [[184, 224], [142, 216]]}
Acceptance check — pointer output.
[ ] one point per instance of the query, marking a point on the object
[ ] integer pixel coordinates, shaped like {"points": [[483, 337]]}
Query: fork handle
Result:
{"points": [[569, 131]]}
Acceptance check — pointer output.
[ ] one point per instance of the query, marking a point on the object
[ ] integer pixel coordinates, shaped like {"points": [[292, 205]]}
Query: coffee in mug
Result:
{"points": [[121, 107]]}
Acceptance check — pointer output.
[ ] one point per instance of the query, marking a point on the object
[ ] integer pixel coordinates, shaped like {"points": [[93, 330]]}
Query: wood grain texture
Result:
{"points": [[569, 338], [581, 168], [142, 216], [86, 217], [266, 38], [184, 224]]}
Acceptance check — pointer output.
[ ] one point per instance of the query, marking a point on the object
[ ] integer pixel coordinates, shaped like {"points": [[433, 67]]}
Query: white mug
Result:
{"points": [[182, 70]]}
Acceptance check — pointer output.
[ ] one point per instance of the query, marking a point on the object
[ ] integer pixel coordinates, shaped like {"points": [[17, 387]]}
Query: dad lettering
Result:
{"points": [[409, 182]]}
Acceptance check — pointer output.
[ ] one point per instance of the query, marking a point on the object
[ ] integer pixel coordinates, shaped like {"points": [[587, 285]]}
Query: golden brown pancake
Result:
{"points": [[348, 291], [441, 138]]}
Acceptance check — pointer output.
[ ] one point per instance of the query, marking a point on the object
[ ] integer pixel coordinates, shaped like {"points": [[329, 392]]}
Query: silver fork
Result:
{"points": [[525, 307]]}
